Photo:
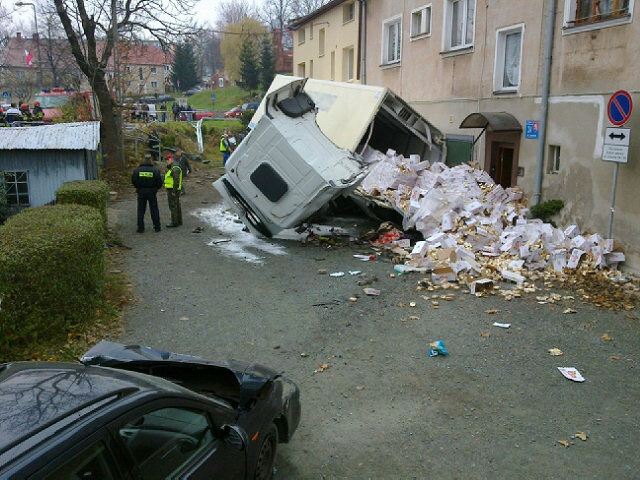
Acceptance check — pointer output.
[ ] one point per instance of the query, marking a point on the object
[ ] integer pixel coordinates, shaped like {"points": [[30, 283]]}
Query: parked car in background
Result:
{"points": [[191, 91], [136, 412], [235, 112], [250, 106]]}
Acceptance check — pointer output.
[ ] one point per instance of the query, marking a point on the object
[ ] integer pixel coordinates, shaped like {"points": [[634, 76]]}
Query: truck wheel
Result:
{"points": [[267, 455]]}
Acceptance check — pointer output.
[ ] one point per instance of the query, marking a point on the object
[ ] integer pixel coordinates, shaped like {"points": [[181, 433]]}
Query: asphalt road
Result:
{"points": [[375, 404]]}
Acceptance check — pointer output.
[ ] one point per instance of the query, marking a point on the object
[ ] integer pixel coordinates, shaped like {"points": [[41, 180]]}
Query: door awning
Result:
{"points": [[498, 121]]}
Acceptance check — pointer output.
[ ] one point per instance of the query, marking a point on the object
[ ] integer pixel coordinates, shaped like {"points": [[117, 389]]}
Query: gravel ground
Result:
{"points": [[374, 403]]}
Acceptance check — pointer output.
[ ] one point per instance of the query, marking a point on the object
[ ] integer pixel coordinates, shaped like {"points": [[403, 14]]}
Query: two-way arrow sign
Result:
{"points": [[616, 145]]}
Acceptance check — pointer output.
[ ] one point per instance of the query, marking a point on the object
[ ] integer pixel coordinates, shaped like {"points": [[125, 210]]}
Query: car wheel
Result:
{"points": [[267, 455]]}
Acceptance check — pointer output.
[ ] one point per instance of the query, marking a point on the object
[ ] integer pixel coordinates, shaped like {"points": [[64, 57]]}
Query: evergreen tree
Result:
{"points": [[267, 64], [249, 68], [184, 71]]}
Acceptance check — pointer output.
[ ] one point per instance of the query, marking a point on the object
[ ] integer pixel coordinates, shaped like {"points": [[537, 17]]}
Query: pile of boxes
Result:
{"points": [[474, 229]]}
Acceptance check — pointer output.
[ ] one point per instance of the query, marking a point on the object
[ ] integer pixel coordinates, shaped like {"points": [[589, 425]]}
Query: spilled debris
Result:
{"points": [[479, 234]]}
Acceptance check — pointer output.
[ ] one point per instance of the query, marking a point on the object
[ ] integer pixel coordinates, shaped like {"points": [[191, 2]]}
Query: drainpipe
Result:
{"points": [[544, 111], [363, 41]]}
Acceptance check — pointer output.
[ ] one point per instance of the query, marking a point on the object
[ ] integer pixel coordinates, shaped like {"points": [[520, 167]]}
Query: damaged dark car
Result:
{"points": [[129, 411]]}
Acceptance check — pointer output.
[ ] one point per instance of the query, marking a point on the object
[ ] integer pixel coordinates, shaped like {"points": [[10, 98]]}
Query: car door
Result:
{"points": [[178, 440], [95, 456]]}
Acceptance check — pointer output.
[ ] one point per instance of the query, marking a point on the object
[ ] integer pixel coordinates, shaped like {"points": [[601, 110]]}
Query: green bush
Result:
{"points": [[545, 210], [93, 193], [51, 273], [168, 141]]}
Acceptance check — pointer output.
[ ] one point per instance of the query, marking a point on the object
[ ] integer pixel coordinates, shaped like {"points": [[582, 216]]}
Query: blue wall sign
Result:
{"points": [[532, 129]]}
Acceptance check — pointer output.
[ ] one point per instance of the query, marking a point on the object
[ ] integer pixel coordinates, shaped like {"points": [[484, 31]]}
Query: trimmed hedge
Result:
{"points": [[94, 193], [51, 272]]}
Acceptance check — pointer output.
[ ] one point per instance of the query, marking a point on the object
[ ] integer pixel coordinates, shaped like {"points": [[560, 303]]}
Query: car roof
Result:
{"points": [[34, 395]]}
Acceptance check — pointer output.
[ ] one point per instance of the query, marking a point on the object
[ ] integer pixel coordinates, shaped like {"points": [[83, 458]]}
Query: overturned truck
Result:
{"points": [[310, 141]]}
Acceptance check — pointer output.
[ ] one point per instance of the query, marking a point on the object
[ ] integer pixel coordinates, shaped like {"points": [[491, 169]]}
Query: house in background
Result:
{"points": [[36, 161], [143, 69], [524, 88], [327, 42], [22, 73]]}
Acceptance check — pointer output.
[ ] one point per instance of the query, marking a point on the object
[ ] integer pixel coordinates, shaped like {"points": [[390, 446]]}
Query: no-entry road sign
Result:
{"points": [[619, 108]]}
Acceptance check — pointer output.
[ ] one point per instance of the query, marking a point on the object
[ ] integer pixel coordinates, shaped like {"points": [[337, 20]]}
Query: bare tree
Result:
{"points": [[305, 7], [234, 11], [277, 13], [57, 59], [86, 22], [6, 23]]}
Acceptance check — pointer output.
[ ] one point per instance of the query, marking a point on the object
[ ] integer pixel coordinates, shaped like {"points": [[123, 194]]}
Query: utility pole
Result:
{"points": [[35, 19]]}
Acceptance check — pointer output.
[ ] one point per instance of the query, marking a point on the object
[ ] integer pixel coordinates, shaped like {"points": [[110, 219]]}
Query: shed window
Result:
{"points": [[16, 188]]}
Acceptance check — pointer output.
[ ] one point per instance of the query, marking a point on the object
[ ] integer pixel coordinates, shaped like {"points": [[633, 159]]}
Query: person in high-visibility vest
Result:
{"points": [[173, 185], [225, 147]]}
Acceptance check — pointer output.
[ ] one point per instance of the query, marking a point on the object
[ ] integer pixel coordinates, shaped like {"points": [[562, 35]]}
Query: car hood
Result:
{"points": [[237, 379]]}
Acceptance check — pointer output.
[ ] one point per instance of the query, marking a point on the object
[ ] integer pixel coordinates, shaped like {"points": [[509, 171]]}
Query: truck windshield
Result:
{"points": [[56, 101]]}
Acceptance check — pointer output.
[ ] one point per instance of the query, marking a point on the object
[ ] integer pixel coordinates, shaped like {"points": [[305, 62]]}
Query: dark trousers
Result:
{"points": [[143, 198], [175, 208]]}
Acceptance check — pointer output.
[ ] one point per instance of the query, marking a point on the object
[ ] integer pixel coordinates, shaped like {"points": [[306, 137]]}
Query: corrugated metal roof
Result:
{"points": [[60, 136]]}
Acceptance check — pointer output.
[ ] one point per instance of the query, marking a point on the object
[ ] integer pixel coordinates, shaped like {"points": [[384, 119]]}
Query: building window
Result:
{"points": [[301, 70], [128, 69], [333, 65], [17, 189], [592, 11], [554, 159], [20, 75], [140, 73], [301, 36], [508, 59], [348, 67], [321, 39], [167, 68], [460, 21], [154, 70], [392, 40], [154, 84], [348, 12], [421, 22]]}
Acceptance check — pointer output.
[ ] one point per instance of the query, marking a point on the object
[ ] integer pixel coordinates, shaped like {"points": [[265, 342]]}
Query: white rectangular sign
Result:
{"points": [[614, 153], [617, 136]]}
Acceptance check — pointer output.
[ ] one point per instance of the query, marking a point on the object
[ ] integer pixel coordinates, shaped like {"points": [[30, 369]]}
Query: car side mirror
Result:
{"points": [[234, 435]]}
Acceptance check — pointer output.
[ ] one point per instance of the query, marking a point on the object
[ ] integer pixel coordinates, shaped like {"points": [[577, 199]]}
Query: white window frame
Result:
{"points": [[388, 36], [570, 11], [154, 70], [12, 181], [348, 12], [154, 84], [349, 64], [468, 24], [321, 42], [424, 29], [499, 69], [555, 155]]}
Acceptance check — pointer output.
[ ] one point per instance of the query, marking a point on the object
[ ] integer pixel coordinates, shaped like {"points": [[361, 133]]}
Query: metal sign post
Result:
{"points": [[616, 140]]}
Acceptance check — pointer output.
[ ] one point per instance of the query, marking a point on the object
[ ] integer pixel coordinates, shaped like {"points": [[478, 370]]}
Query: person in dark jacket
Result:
{"points": [[148, 180], [153, 142]]}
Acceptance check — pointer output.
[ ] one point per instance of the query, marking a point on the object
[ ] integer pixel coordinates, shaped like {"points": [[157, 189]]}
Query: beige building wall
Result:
{"points": [[590, 63], [326, 47], [145, 79]]}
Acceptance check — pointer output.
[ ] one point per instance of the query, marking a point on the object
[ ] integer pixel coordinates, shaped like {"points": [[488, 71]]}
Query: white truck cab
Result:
{"points": [[305, 148]]}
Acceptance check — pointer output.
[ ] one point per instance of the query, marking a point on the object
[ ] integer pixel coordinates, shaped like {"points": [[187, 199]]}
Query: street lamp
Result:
{"points": [[35, 18]]}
